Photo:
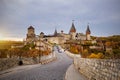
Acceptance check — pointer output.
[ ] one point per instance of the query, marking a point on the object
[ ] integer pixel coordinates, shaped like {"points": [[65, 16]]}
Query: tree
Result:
{"points": [[98, 56], [85, 53], [93, 55], [33, 53], [116, 53], [10, 52], [3, 53], [108, 44]]}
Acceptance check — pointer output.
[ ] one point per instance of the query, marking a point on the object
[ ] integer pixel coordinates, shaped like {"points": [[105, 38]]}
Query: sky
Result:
{"points": [[16, 16]]}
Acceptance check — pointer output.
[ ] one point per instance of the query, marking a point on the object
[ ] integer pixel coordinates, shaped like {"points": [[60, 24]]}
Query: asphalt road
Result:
{"points": [[52, 71]]}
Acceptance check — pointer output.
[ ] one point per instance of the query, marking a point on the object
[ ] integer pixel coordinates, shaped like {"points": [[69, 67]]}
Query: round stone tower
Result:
{"points": [[30, 34]]}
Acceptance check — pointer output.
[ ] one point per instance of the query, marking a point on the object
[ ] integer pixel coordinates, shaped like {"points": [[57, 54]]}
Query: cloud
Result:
{"points": [[45, 15]]}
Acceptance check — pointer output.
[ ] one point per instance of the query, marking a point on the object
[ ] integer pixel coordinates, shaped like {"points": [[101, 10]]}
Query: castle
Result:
{"points": [[58, 38]]}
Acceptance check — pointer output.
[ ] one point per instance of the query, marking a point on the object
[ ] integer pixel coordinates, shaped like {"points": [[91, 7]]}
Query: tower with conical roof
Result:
{"points": [[72, 31], [88, 32], [55, 33]]}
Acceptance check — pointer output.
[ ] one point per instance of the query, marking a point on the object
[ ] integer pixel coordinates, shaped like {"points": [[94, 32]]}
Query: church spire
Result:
{"points": [[72, 29], [88, 30], [55, 33]]}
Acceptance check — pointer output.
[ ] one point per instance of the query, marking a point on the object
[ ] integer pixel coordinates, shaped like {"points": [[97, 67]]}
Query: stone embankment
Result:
{"points": [[72, 55], [7, 63], [48, 60], [97, 69]]}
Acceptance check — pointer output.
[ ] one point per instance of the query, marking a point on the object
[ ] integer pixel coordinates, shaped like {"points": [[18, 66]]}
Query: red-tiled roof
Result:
{"points": [[88, 30], [73, 28]]}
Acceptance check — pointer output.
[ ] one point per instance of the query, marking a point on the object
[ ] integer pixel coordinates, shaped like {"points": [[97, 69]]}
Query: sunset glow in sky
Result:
{"points": [[0, 36], [16, 16]]}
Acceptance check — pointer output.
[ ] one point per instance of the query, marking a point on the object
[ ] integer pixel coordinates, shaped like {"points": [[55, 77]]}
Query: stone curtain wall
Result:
{"points": [[8, 63], [98, 69]]}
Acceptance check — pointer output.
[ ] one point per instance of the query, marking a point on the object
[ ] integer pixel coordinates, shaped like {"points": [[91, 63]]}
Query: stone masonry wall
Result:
{"points": [[98, 69], [8, 63]]}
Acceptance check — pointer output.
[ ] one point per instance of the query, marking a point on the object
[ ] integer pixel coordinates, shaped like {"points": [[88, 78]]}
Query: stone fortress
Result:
{"points": [[58, 38]]}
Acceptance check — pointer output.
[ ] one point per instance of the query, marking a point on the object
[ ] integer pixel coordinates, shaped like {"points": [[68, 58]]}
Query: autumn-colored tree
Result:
{"points": [[108, 44], [10, 52], [33, 53], [75, 49], [98, 56], [93, 55], [47, 51], [116, 53], [85, 53], [3, 53]]}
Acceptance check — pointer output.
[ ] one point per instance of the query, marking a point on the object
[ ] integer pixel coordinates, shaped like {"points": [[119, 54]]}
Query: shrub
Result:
{"points": [[98, 56], [85, 53], [93, 55]]}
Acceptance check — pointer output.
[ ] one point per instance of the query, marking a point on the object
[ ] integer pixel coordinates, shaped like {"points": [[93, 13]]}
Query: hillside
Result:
{"points": [[8, 44]]}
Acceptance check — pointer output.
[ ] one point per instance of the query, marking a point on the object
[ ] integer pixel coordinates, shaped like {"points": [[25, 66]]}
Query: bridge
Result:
{"points": [[92, 69], [55, 70]]}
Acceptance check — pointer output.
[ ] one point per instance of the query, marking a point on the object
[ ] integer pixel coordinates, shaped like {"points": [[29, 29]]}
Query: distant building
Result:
{"points": [[80, 36], [58, 38], [88, 32], [30, 35], [72, 31]]}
